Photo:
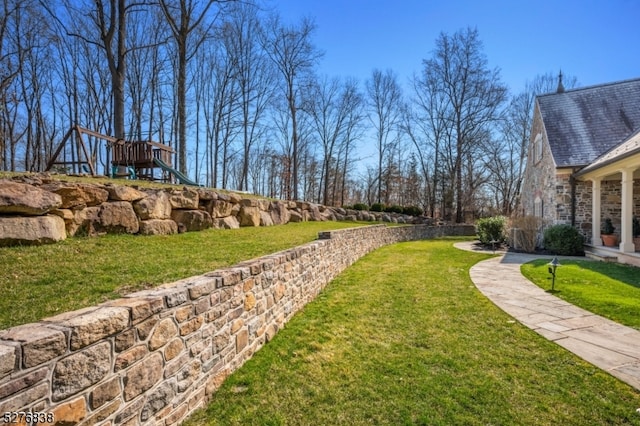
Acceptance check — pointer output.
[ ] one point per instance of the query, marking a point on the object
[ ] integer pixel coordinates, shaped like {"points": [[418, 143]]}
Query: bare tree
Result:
{"points": [[426, 124], [474, 95], [110, 19], [144, 73], [10, 60], [352, 132], [385, 97], [254, 76], [331, 104], [294, 56], [220, 104], [184, 17]]}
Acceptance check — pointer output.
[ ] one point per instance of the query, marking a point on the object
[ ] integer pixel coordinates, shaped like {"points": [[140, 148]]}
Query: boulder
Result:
{"points": [[265, 219], [205, 194], [33, 179], [117, 217], [249, 202], [158, 227], [20, 198], [234, 198], [229, 222], [154, 206], [220, 208], [193, 220], [339, 217], [124, 193], [31, 230], [83, 222], [65, 214], [79, 195], [303, 205], [279, 213], [184, 199], [264, 205], [249, 216], [328, 215], [315, 214], [295, 217]]}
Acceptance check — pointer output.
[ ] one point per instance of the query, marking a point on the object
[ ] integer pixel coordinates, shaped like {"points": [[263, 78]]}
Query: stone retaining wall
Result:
{"points": [[37, 209], [155, 356]]}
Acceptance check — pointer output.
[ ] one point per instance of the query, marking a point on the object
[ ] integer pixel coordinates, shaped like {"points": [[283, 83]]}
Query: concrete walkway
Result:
{"points": [[608, 345]]}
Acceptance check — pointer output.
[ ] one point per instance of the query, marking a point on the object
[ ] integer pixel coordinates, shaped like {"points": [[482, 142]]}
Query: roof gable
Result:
{"points": [[582, 124]]}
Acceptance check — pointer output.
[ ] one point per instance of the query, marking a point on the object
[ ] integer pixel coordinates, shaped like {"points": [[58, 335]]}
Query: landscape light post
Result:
{"points": [[552, 270]]}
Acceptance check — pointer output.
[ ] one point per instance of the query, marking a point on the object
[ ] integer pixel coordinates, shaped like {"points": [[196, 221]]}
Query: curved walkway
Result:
{"points": [[606, 344]]}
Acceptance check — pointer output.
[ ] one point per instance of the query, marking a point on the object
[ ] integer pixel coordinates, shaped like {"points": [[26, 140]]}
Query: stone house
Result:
{"points": [[584, 162]]}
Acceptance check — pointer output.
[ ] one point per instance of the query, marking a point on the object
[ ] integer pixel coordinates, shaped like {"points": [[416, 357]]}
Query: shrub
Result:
{"points": [[524, 233], [491, 229], [394, 209], [360, 206], [412, 211], [564, 240], [377, 207]]}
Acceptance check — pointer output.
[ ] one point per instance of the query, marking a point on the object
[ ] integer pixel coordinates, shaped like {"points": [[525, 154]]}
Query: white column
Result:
{"points": [[595, 212], [626, 228]]}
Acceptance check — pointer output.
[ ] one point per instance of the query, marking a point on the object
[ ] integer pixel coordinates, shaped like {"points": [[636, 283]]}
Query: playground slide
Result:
{"points": [[181, 178]]}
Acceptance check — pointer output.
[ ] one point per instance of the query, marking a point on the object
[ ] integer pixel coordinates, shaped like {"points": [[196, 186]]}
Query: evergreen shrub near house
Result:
{"points": [[492, 230], [564, 240]]}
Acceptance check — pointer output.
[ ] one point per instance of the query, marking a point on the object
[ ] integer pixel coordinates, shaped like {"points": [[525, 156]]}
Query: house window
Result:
{"points": [[537, 148], [537, 207]]}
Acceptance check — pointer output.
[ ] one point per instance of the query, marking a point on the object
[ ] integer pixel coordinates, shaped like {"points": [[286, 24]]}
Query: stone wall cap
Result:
{"points": [[94, 326]]}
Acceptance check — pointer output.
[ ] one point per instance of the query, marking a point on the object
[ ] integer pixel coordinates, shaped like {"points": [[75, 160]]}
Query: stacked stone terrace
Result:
{"points": [[38, 209]]}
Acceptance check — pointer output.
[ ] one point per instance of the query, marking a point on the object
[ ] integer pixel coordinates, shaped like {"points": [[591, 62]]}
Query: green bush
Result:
{"points": [[491, 229], [377, 207], [394, 209], [564, 240], [412, 211], [360, 206]]}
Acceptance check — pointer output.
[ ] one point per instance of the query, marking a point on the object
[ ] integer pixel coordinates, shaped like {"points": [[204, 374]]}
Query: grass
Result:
{"points": [[38, 282], [404, 338], [608, 289]]}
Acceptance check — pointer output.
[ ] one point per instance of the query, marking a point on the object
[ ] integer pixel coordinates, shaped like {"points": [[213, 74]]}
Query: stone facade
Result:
{"points": [[552, 188], [39, 209], [538, 195], [155, 356]]}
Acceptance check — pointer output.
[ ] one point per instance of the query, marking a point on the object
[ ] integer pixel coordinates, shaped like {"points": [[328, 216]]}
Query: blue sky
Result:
{"points": [[597, 41]]}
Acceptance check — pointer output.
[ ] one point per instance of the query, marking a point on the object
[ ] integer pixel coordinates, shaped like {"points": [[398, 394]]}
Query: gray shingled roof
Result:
{"points": [[629, 147], [583, 124]]}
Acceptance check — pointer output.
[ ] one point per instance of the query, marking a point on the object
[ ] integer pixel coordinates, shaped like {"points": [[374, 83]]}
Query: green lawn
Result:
{"points": [[37, 282], [403, 337], [608, 289]]}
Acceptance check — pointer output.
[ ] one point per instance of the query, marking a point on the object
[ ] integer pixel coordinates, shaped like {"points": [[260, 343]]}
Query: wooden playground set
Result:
{"points": [[146, 160]]}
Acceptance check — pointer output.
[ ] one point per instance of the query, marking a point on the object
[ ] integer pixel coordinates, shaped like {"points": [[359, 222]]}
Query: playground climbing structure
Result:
{"points": [[130, 159]]}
